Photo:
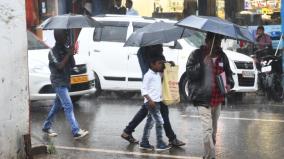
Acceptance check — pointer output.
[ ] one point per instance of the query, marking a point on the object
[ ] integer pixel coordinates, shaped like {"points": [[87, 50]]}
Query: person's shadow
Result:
{"points": [[177, 151], [131, 147]]}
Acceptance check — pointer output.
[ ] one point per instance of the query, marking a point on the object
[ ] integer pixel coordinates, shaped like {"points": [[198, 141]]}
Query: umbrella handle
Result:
{"points": [[212, 45], [278, 45], [182, 33]]}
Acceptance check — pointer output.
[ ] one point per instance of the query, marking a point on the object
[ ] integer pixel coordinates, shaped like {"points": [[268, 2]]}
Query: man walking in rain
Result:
{"points": [[145, 55], [202, 67], [61, 61]]}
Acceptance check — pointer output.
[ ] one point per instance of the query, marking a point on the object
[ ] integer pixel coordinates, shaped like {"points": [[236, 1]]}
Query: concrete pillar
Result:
{"points": [[190, 7], [97, 7], [62, 7], [202, 7], [14, 106]]}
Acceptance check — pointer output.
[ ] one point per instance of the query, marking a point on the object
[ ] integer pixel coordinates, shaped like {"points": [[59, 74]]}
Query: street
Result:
{"points": [[251, 129]]}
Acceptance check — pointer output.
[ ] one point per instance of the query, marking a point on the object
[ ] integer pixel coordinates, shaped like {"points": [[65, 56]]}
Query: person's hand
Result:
{"points": [[207, 59], [76, 48], [70, 50], [172, 63], [151, 104], [228, 88]]}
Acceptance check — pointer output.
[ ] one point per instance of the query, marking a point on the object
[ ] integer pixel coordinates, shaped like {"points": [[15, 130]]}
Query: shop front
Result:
{"points": [[265, 12], [39, 10]]}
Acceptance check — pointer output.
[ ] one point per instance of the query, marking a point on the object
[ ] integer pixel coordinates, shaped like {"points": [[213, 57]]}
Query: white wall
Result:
{"points": [[144, 7], [14, 107]]}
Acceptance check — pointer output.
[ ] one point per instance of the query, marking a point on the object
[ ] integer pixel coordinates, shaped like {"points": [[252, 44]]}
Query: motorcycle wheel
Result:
{"points": [[277, 89]]}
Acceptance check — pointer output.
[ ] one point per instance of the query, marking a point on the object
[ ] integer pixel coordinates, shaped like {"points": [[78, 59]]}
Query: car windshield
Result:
{"points": [[34, 43], [196, 40]]}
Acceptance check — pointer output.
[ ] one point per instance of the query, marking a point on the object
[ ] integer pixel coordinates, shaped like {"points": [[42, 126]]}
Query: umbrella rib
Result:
{"points": [[182, 33], [198, 23], [68, 23], [235, 31]]}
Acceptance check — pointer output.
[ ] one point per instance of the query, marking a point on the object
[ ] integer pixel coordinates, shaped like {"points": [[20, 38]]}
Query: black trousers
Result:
{"points": [[141, 115]]}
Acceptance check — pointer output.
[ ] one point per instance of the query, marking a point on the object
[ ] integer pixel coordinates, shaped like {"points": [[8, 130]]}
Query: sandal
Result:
{"points": [[129, 138]]}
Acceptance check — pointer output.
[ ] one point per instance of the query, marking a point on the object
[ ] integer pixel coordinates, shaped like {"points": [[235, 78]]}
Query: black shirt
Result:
{"points": [[116, 10], [60, 77]]}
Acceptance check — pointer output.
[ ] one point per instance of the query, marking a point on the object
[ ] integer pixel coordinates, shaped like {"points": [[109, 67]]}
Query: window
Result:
{"points": [[114, 34], [196, 40], [111, 34], [34, 43], [47, 8], [112, 31]]}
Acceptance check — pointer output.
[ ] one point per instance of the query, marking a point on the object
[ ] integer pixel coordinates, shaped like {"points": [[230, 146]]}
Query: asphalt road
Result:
{"points": [[251, 129]]}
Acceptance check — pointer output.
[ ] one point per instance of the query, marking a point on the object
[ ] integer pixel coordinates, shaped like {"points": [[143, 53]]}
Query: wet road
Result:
{"points": [[253, 129]]}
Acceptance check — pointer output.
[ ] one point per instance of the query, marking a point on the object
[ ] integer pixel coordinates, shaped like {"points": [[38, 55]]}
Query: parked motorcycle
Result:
{"points": [[270, 77]]}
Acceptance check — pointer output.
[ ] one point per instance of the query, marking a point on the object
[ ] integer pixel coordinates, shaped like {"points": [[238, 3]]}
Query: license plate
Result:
{"points": [[79, 79], [266, 69], [248, 74]]}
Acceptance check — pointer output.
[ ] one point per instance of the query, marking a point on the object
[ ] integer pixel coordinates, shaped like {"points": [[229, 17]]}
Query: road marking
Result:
{"points": [[125, 152], [258, 105], [247, 119]]}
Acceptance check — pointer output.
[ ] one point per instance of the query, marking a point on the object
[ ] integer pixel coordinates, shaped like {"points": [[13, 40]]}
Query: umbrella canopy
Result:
{"points": [[68, 21], [218, 26], [157, 33]]}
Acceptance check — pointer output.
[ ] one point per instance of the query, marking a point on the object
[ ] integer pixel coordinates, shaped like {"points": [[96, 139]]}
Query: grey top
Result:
{"points": [[60, 77]]}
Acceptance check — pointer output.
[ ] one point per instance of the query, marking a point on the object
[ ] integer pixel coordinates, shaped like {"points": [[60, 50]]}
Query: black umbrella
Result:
{"points": [[218, 26], [157, 33], [68, 21]]}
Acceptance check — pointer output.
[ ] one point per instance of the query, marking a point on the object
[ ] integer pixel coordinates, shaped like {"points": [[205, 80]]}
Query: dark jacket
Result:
{"points": [[115, 10], [144, 57], [60, 77], [198, 73]]}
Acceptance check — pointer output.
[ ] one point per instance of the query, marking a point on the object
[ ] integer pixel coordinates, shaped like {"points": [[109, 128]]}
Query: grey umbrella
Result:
{"points": [[218, 26], [68, 21], [157, 33]]}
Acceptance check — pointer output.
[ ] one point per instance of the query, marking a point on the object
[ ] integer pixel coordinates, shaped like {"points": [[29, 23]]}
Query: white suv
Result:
{"points": [[82, 79], [117, 69]]}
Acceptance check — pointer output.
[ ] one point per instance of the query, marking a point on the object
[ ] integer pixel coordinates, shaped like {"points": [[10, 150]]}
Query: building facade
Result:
{"points": [[39, 10]]}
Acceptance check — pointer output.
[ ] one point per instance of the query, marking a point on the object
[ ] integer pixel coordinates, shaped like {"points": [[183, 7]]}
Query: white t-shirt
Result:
{"points": [[214, 59], [152, 86], [131, 11]]}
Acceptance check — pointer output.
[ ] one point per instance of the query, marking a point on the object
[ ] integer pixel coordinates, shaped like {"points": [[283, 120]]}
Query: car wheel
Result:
{"points": [[184, 92], [97, 85], [75, 98], [125, 94]]}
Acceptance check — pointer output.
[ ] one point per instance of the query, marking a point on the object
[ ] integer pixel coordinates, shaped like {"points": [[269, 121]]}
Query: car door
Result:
{"points": [[134, 74], [171, 51], [109, 57]]}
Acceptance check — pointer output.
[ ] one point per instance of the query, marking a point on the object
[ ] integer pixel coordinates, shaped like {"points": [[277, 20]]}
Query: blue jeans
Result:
{"points": [[153, 116], [62, 99], [141, 115]]}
